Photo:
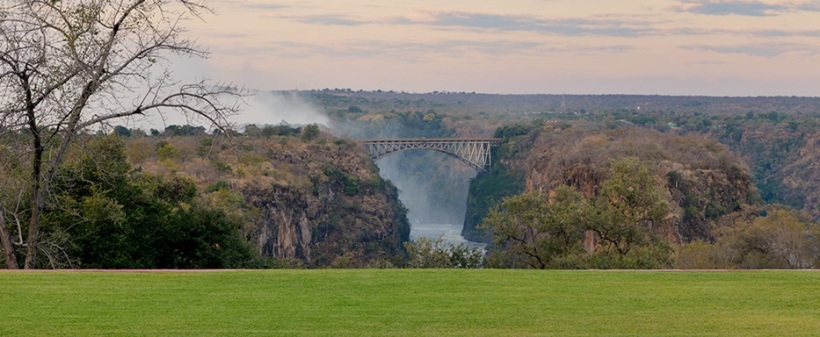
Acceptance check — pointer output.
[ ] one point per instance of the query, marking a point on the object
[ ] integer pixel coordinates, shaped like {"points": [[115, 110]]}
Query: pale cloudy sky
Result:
{"points": [[674, 47]]}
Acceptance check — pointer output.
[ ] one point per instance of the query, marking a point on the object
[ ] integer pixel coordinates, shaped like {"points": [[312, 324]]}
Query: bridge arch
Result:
{"points": [[475, 152]]}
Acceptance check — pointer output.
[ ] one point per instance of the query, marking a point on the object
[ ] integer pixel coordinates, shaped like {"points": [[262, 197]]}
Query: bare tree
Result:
{"points": [[70, 65]]}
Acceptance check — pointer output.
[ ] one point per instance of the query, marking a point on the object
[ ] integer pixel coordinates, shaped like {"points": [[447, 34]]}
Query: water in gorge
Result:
{"points": [[433, 186], [449, 233]]}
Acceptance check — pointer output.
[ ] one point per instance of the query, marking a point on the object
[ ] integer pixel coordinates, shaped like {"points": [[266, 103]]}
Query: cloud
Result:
{"points": [[420, 51], [482, 21], [229, 35], [607, 25], [734, 8], [497, 22], [809, 7], [784, 33], [707, 63], [329, 20], [768, 50], [564, 27], [764, 33], [261, 6], [744, 8]]}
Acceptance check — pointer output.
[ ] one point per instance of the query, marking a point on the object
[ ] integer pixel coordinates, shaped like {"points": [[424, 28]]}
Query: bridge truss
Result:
{"points": [[473, 151]]}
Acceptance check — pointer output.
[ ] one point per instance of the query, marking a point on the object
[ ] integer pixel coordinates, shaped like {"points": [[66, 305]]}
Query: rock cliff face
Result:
{"points": [[309, 203], [337, 207], [700, 179], [283, 228]]}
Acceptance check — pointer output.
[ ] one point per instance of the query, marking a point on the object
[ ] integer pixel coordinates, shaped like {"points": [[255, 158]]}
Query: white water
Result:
{"points": [[450, 233]]}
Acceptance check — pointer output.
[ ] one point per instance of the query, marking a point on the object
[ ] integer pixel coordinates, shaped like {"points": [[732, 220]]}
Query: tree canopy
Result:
{"points": [[67, 66], [535, 230]]}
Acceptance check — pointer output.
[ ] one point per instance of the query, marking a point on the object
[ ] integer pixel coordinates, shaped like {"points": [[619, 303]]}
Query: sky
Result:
{"points": [[675, 47]]}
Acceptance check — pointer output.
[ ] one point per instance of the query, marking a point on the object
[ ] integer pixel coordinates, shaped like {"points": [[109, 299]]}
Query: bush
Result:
{"points": [[310, 133], [780, 238], [426, 253], [167, 152]]}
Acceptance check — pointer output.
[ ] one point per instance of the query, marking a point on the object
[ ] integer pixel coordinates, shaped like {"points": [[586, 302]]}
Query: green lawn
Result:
{"points": [[410, 303]]}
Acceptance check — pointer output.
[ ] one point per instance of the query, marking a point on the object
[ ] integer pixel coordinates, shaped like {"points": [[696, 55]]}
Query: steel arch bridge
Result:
{"points": [[473, 151]]}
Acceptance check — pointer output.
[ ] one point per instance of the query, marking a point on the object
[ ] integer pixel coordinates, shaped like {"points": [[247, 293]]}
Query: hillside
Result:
{"points": [[776, 137], [701, 179], [305, 197], [316, 202]]}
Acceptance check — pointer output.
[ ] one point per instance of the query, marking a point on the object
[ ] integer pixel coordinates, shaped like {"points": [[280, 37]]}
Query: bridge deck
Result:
{"points": [[455, 140], [473, 151]]}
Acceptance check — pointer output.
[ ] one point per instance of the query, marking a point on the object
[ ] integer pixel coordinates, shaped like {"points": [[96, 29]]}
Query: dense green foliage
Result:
{"points": [[505, 178], [273, 196], [411, 303], [530, 231], [106, 216], [628, 206], [486, 191], [509, 131], [310, 132], [775, 143], [535, 231], [406, 124], [184, 130]]}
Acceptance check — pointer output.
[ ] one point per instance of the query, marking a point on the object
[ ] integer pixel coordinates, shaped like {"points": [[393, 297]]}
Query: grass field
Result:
{"points": [[410, 303]]}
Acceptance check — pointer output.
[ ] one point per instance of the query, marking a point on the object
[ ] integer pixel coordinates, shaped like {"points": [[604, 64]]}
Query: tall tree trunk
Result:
{"points": [[38, 192], [42, 180], [5, 240], [37, 204]]}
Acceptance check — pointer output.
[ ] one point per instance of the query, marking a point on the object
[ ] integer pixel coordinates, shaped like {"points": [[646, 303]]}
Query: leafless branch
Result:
{"points": [[68, 65]]}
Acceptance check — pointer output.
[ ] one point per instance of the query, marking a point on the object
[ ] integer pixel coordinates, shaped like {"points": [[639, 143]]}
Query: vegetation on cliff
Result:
{"points": [[778, 138], [700, 182], [103, 214], [68, 67], [273, 196], [565, 230], [713, 159], [297, 196], [701, 179], [308, 198]]}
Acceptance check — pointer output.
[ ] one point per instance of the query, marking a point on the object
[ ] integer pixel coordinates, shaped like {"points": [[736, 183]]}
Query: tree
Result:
{"points": [[67, 66], [310, 132], [535, 231], [783, 238], [109, 216], [628, 205], [538, 230], [122, 131], [794, 239]]}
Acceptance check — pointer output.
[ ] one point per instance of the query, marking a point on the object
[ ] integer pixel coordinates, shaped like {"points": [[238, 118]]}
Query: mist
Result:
{"points": [[432, 185], [422, 192], [275, 107]]}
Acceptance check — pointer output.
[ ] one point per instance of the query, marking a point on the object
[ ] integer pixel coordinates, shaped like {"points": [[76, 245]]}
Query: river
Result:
{"points": [[450, 233]]}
